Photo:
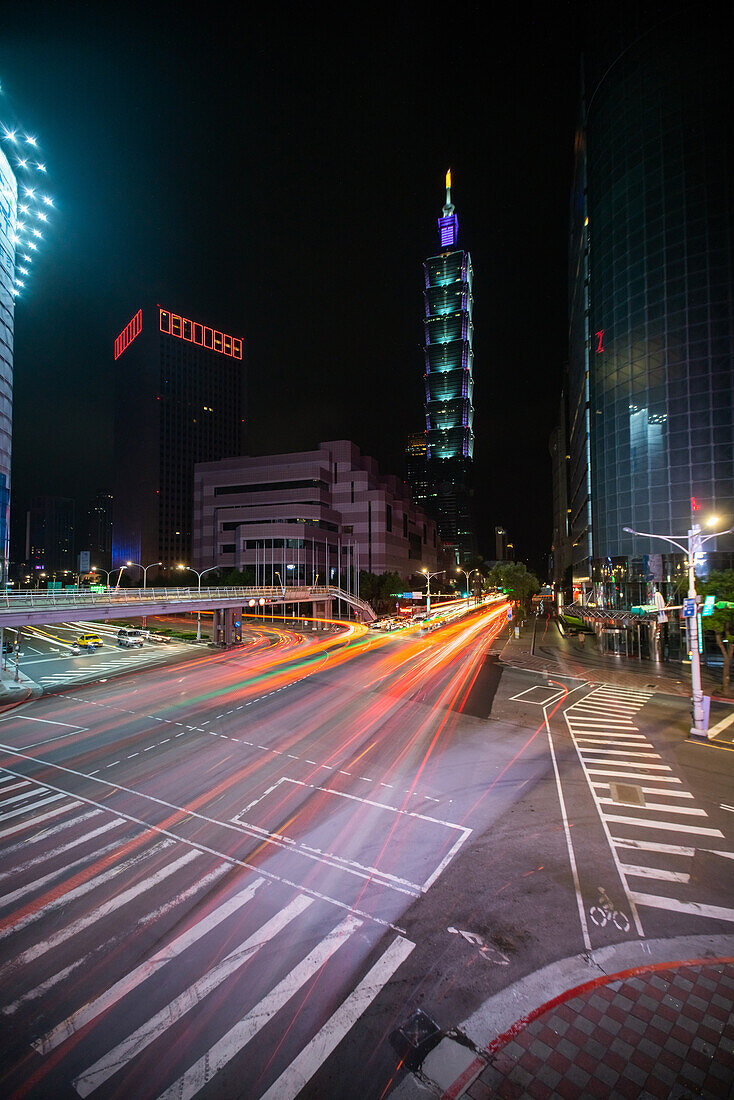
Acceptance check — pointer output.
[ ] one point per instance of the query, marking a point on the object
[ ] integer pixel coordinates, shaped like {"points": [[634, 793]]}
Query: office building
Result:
{"points": [[50, 546], [180, 400], [650, 384], [560, 556], [99, 531], [416, 467], [309, 516], [449, 384], [8, 223]]}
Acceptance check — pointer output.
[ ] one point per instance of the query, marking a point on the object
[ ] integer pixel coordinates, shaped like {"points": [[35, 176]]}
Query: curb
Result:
{"points": [[456, 1062]]}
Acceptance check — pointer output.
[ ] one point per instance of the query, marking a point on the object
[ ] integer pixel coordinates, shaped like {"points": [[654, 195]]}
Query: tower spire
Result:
{"points": [[448, 206], [448, 223]]}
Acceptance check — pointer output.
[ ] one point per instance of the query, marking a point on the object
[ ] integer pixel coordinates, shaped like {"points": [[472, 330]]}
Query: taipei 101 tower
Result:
{"points": [[449, 385]]}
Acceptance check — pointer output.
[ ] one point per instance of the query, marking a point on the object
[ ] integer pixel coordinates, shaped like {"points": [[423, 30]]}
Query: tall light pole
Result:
{"points": [[428, 576], [145, 568], [694, 542], [209, 569], [467, 575], [108, 573]]}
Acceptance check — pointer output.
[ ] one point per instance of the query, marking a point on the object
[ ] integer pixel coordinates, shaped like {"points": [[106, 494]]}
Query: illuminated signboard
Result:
{"points": [[129, 333], [174, 325]]}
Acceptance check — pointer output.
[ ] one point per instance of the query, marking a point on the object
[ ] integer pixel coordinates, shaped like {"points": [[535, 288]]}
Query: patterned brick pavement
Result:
{"points": [[660, 1031]]}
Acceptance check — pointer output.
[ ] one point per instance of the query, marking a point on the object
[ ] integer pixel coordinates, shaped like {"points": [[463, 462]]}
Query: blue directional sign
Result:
{"points": [[509, 613], [689, 607]]}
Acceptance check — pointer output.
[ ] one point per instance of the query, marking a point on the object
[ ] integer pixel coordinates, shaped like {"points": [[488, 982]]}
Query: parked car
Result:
{"points": [[129, 638]]}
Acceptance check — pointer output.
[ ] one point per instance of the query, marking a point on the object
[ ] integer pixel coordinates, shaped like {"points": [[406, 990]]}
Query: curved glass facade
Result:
{"points": [[660, 341], [8, 221]]}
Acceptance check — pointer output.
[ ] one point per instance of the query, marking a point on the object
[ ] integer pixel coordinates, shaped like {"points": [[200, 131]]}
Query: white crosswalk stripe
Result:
{"points": [[205, 933], [657, 810]]}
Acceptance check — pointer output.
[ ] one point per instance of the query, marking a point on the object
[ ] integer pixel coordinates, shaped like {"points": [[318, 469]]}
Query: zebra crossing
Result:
{"points": [[123, 661], [120, 985], [653, 826]]}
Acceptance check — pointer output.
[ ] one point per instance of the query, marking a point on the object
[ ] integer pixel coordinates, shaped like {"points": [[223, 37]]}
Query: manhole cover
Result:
{"points": [[416, 1038], [627, 793]]}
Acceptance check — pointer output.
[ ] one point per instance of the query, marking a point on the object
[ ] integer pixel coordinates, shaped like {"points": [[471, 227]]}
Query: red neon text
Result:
{"points": [[599, 341], [174, 325], [129, 333]]}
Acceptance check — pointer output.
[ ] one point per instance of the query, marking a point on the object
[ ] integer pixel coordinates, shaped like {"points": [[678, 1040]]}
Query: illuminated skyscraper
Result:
{"points": [[449, 384], [8, 222]]}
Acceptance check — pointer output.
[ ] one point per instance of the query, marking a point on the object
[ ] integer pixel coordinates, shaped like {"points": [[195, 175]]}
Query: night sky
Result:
{"points": [[278, 174]]}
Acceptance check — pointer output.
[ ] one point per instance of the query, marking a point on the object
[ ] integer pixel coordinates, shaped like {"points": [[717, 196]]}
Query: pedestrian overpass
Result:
{"points": [[36, 608]]}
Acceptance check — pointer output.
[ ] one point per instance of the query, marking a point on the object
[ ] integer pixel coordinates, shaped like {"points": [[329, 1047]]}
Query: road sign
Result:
{"points": [[708, 605], [509, 613], [689, 607], [237, 623]]}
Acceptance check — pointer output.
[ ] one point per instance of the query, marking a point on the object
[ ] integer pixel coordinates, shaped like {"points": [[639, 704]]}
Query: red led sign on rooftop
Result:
{"points": [[129, 333], [174, 325]]}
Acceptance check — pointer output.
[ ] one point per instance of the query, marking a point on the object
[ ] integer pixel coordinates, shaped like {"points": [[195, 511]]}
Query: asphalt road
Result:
{"points": [[239, 876]]}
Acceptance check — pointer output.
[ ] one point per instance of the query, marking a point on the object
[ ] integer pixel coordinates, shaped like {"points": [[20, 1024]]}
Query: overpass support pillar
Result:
{"points": [[223, 628]]}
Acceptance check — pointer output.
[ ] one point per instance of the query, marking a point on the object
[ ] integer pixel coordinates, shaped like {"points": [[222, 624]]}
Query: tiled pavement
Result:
{"points": [[659, 1031]]}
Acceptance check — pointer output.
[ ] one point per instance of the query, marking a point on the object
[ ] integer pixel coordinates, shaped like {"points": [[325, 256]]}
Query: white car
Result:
{"points": [[130, 638]]}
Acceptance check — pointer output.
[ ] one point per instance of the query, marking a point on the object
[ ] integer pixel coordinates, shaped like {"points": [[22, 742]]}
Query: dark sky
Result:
{"points": [[278, 174]]}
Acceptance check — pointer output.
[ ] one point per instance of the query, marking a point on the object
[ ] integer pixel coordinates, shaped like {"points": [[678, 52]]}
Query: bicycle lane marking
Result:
{"points": [[598, 882], [564, 816]]}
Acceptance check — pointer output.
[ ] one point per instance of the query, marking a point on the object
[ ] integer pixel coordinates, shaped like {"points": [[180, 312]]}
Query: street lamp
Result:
{"points": [[107, 573], [209, 569], [428, 576], [467, 575], [145, 568], [694, 541]]}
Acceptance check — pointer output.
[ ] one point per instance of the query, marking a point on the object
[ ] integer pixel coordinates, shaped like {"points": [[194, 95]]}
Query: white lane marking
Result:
{"points": [[22, 797], [47, 721], [39, 883], [94, 1008], [655, 872], [199, 847], [45, 834], [13, 786], [293, 1079], [197, 1075], [722, 725], [693, 908], [569, 844], [663, 826], [33, 806], [624, 764], [614, 773], [661, 806], [723, 806], [123, 933], [625, 753], [43, 857], [655, 846], [588, 742], [130, 1047], [650, 790], [64, 899], [43, 817]]}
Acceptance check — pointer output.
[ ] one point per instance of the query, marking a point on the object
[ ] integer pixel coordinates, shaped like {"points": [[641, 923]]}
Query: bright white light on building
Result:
{"points": [[41, 167], [9, 134], [31, 140], [48, 200]]}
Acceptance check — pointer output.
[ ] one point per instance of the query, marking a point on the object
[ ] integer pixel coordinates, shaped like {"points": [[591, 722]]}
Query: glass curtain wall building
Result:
{"points": [[8, 222], [449, 384], [652, 338]]}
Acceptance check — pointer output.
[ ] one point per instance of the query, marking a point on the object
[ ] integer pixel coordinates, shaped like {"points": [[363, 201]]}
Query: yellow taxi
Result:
{"points": [[86, 640]]}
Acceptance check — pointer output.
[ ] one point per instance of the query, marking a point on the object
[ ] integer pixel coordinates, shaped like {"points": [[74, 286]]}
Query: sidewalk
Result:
{"points": [[641, 1019], [564, 656], [12, 691]]}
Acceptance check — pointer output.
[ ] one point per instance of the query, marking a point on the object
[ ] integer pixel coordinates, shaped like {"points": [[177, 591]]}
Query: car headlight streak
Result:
{"points": [[36, 206]]}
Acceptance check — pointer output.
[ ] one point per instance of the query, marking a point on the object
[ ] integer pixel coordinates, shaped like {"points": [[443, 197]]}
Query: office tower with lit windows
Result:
{"points": [[416, 467], [449, 384], [8, 223], [180, 400], [650, 385]]}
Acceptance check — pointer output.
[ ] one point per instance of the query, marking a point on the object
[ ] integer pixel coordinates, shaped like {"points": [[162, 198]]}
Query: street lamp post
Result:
{"points": [[428, 576], [108, 573], [145, 568], [209, 569], [694, 542], [467, 575]]}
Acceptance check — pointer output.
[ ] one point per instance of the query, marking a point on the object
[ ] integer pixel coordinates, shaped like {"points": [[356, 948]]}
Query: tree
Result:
{"points": [[514, 577], [379, 589], [721, 619]]}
